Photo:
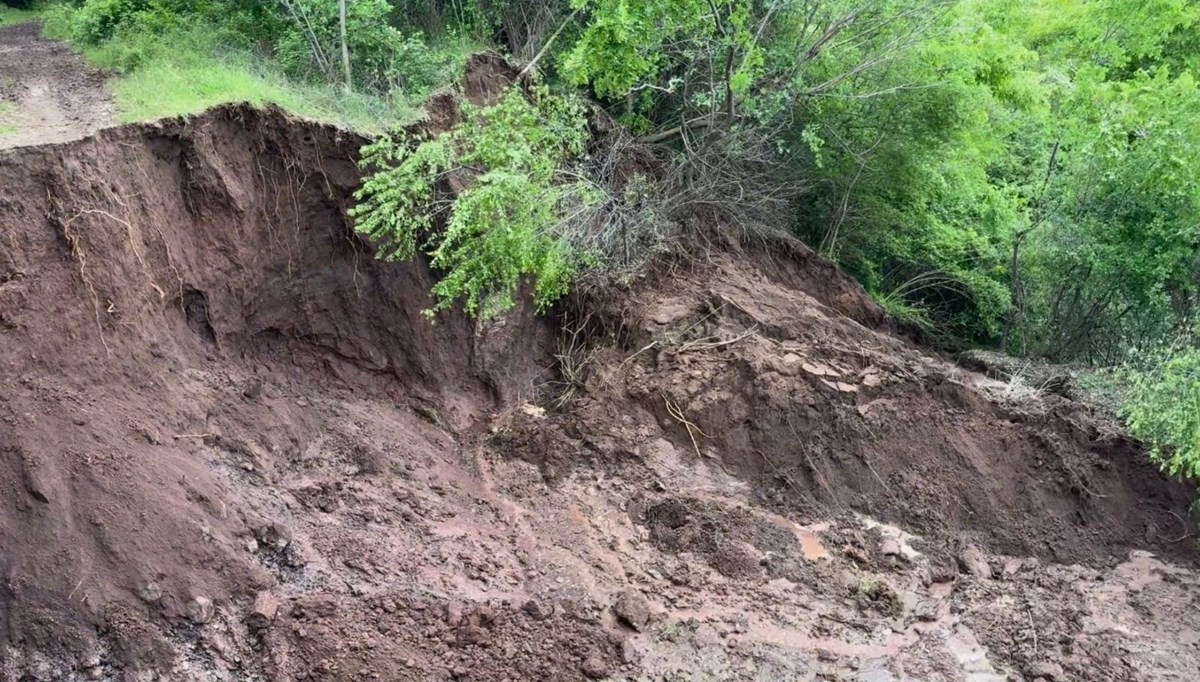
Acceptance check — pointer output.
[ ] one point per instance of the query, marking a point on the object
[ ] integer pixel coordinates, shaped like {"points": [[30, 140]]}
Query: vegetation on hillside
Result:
{"points": [[1017, 174]]}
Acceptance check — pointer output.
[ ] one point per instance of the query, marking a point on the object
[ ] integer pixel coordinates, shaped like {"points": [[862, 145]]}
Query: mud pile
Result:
{"points": [[231, 448]]}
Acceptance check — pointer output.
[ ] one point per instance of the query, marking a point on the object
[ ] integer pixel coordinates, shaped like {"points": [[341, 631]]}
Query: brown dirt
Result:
{"points": [[231, 448], [47, 93]]}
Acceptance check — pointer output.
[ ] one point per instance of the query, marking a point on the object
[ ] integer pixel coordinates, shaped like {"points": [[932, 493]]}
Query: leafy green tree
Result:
{"points": [[381, 56], [1163, 410], [488, 201]]}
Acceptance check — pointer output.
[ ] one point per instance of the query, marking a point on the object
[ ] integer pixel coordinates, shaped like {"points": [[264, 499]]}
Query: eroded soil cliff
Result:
{"points": [[231, 448]]}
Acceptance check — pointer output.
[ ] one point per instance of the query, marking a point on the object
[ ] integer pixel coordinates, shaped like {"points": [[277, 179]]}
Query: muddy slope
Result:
{"points": [[231, 448]]}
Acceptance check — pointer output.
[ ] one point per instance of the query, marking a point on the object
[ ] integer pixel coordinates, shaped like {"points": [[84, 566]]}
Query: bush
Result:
{"points": [[504, 217], [98, 21], [381, 57], [1162, 409]]}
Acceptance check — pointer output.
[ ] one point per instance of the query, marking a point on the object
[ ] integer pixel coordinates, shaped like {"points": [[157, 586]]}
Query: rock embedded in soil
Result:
{"points": [[973, 562], [536, 610], [262, 614], [200, 610], [632, 609], [1046, 670], [596, 668]]}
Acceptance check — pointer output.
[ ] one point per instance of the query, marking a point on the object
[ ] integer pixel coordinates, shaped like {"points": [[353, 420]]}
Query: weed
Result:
{"points": [[678, 630], [868, 587]]}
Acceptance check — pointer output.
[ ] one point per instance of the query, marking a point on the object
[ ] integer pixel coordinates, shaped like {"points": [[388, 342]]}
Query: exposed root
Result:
{"points": [[75, 245], [574, 360], [674, 410], [709, 343]]}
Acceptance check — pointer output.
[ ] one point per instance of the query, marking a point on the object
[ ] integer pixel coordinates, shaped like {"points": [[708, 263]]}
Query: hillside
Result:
{"points": [[233, 449]]}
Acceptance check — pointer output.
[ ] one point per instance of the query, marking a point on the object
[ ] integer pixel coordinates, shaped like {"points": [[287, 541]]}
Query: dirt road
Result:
{"points": [[47, 92]]}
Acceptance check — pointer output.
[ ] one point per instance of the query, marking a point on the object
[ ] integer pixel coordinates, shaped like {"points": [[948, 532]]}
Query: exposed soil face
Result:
{"points": [[47, 92], [232, 448]]}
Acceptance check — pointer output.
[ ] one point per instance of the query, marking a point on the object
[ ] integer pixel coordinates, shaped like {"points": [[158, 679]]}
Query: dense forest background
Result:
{"points": [[1011, 174]]}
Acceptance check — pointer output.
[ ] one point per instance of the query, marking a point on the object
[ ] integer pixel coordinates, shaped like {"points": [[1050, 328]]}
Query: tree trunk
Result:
{"points": [[345, 46]]}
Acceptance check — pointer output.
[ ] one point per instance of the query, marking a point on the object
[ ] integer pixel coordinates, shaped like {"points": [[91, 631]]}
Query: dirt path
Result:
{"points": [[47, 92]]}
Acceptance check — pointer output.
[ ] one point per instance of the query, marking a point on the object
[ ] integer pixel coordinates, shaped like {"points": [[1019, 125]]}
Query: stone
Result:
{"points": [[536, 610], [470, 635], [632, 609], [631, 651], [973, 561], [262, 614], [150, 592], [1046, 670], [595, 668], [1012, 567], [276, 537], [254, 390], [200, 610], [455, 611]]}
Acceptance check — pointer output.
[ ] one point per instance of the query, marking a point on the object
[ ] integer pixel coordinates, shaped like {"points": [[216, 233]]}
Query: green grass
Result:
{"points": [[904, 312], [189, 84], [9, 118], [193, 69], [8, 15]]}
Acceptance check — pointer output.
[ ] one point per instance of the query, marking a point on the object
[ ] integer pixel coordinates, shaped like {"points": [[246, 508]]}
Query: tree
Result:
{"points": [[345, 44]]}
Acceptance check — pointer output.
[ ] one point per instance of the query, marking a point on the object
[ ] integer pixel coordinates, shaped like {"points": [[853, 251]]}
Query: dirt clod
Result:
{"points": [[596, 668]]}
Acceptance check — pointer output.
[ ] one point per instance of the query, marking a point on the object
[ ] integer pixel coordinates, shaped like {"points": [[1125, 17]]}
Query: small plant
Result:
{"points": [[507, 217], [678, 630], [868, 587]]}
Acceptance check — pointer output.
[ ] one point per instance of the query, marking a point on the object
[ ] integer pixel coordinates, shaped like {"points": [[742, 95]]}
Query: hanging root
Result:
{"points": [[674, 410], [75, 245], [574, 360]]}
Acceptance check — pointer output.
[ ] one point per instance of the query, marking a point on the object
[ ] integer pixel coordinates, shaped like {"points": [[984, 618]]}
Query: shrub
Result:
{"points": [[1162, 409], [381, 56], [507, 218], [97, 21]]}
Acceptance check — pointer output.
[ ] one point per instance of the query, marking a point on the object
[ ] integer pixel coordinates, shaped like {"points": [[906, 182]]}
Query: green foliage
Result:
{"points": [[504, 221], [1057, 130], [182, 56], [382, 56], [17, 13], [188, 71], [1162, 408], [99, 20]]}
